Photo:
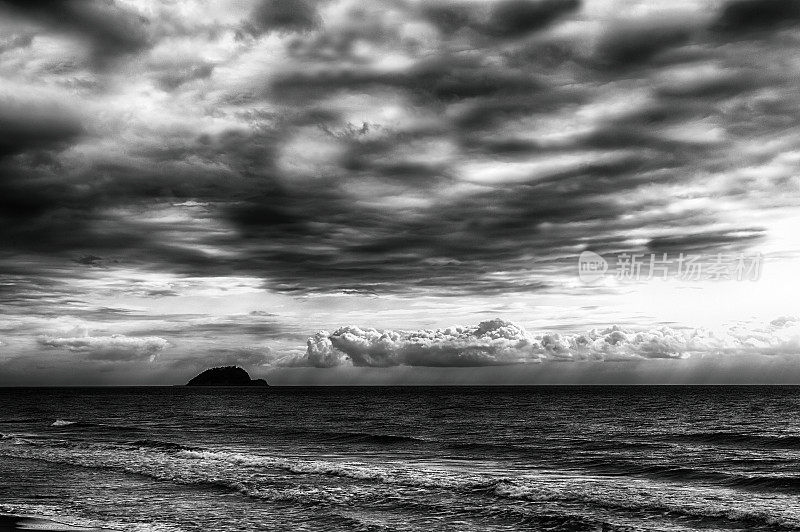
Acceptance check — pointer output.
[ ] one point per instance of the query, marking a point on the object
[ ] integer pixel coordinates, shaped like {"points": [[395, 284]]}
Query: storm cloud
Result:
{"points": [[109, 28], [328, 169], [403, 150]]}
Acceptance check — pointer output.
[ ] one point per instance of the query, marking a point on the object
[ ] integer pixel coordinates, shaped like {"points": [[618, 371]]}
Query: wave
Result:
{"points": [[739, 439], [687, 475], [465, 482], [64, 423], [361, 471], [17, 439], [243, 473], [502, 447], [352, 470], [167, 468], [699, 510], [363, 437], [733, 480], [161, 445], [768, 482]]}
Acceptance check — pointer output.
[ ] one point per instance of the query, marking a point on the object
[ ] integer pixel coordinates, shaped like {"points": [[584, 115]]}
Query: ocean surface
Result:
{"points": [[406, 459]]}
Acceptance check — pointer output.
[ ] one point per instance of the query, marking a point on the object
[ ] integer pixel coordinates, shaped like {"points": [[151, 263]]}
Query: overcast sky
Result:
{"points": [[398, 191]]}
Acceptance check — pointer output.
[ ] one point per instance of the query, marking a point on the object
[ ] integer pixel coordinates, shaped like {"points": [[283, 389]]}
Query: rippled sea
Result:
{"points": [[407, 459]]}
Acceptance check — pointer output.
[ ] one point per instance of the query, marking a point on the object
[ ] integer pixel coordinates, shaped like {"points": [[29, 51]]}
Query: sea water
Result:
{"points": [[570, 458]]}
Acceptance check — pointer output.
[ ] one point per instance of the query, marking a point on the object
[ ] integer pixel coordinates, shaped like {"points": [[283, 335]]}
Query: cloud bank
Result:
{"points": [[116, 347], [493, 342], [500, 342]]}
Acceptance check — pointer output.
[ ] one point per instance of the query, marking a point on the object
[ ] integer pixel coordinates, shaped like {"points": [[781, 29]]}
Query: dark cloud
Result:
{"points": [[447, 16], [89, 260], [172, 77], [516, 18], [628, 45], [314, 237], [284, 15], [744, 16], [441, 79], [112, 30], [488, 113], [27, 125], [445, 249], [714, 240], [506, 19], [332, 169]]}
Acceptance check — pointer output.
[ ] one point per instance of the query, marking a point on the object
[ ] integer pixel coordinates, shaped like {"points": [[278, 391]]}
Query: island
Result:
{"points": [[225, 376]]}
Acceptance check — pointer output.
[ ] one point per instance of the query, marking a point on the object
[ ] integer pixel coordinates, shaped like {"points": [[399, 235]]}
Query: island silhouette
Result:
{"points": [[225, 376]]}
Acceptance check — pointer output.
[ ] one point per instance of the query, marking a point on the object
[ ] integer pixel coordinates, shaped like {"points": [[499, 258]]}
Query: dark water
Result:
{"points": [[375, 459]]}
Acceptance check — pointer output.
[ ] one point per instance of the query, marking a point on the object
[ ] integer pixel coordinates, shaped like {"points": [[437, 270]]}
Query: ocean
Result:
{"points": [[571, 458]]}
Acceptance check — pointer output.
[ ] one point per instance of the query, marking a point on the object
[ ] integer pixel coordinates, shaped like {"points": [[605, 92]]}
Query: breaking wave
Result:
{"points": [[247, 474]]}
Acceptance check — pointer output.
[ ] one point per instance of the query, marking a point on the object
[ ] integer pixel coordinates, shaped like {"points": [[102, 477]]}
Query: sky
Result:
{"points": [[400, 192]]}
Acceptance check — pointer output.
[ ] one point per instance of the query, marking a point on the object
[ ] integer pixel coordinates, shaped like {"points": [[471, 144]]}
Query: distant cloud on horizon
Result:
{"points": [[499, 342], [117, 347]]}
